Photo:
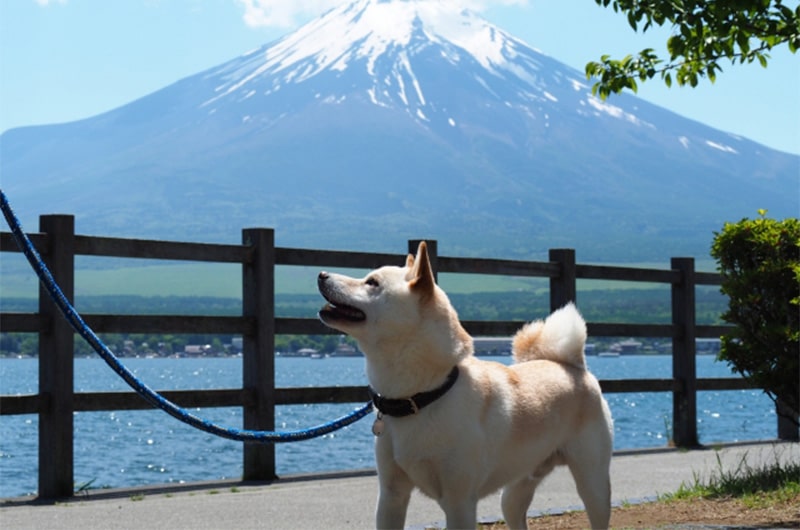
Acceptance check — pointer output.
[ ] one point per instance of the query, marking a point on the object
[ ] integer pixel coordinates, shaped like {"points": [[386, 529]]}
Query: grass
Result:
{"points": [[768, 484], [112, 276], [84, 487]]}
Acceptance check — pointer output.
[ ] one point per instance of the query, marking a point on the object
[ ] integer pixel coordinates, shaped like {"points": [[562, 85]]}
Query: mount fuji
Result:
{"points": [[385, 120]]}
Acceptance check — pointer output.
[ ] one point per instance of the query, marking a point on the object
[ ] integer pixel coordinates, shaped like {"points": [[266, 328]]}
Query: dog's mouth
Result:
{"points": [[336, 310], [332, 311]]}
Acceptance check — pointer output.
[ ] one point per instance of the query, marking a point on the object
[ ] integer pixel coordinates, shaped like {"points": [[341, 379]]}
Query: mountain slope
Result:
{"points": [[387, 120]]}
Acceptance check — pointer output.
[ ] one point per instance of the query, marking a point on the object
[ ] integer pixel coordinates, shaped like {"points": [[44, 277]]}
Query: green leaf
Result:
{"points": [[702, 33], [632, 20]]}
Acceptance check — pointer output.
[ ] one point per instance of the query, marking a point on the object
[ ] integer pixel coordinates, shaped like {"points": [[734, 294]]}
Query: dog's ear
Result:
{"points": [[410, 261], [422, 279]]}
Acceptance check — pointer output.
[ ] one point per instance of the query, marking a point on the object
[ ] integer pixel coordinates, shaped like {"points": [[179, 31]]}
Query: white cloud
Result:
{"points": [[45, 3], [288, 13], [282, 13]]}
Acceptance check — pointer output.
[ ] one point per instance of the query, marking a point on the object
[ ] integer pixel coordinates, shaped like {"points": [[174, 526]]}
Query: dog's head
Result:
{"points": [[398, 315], [386, 296]]}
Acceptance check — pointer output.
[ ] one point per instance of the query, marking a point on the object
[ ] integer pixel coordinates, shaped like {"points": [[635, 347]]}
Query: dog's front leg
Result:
{"points": [[392, 507], [394, 492]]}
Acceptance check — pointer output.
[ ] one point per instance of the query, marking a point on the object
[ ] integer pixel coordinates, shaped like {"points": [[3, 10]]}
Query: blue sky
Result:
{"points": [[63, 60]]}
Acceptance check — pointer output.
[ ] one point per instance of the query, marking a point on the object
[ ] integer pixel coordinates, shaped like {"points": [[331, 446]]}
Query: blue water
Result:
{"points": [[130, 448]]}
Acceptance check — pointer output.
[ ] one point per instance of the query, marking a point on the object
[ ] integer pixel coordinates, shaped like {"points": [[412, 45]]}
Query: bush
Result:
{"points": [[759, 261]]}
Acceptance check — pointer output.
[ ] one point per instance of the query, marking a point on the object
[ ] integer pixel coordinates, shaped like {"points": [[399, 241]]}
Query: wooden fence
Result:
{"points": [[56, 401]]}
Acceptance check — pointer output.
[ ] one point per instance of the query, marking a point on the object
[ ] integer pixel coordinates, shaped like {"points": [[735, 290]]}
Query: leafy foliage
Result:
{"points": [[704, 35], [760, 265]]}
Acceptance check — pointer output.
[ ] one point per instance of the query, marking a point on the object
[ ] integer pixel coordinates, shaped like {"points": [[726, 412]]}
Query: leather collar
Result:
{"points": [[408, 406]]}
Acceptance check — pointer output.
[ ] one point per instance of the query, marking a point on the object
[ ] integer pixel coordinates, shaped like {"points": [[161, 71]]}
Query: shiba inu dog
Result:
{"points": [[457, 427]]}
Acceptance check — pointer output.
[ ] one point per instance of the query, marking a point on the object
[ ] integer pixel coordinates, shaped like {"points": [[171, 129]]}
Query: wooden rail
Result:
{"points": [[55, 402]]}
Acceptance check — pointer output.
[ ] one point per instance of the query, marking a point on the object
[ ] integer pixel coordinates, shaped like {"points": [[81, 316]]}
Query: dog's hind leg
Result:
{"points": [[594, 488], [517, 496], [460, 512], [589, 460]]}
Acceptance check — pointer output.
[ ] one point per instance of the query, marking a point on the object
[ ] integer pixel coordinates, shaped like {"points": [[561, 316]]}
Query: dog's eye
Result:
{"points": [[372, 282]]}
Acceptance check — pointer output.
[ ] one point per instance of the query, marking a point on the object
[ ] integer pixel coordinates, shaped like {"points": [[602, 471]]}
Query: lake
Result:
{"points": [[132, 448]]}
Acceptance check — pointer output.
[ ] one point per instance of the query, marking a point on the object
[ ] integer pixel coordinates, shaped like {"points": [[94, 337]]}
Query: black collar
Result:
{"points": [[408, 406]]}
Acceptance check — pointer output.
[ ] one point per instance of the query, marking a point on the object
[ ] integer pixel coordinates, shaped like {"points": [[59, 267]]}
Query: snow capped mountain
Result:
{"points": [[361, 34], [415, 117], [388, 46], [406, 54]]}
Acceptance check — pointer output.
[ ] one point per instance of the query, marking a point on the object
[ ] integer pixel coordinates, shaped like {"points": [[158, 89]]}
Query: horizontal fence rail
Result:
{"points": [[56, 402]]}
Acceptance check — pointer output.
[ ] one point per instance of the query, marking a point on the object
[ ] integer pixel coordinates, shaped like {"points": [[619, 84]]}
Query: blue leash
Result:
{"points": [[150, 395]]}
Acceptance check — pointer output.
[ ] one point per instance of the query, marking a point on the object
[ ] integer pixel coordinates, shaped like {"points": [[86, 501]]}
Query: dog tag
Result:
{"points": [[377, 426]]}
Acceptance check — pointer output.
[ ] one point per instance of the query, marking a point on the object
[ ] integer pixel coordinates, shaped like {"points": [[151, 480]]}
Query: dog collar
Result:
{"points": [[408, 406]]}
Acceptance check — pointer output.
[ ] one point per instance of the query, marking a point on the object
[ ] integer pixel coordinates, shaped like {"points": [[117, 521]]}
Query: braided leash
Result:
{"points": [[153, 397]]}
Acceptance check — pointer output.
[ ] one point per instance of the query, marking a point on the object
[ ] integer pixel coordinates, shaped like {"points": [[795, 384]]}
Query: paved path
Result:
{"points": [[348, 501]]}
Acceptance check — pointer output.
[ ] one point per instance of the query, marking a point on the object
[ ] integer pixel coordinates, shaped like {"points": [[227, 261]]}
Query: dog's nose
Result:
{"points": [[323, 276]]}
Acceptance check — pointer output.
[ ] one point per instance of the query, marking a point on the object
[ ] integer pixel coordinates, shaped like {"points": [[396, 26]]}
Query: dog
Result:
{"points": [[459, 428]]}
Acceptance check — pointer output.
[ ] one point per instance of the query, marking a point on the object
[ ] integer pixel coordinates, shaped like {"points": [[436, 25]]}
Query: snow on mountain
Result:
{"points": [[366, 30], [394, 44]]}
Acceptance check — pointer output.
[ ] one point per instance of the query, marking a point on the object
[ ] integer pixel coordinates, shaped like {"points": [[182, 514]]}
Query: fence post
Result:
{"points": [[684, 361], [258, 351], [433, 253], [787, 429], [56, 366], [563, 288]]}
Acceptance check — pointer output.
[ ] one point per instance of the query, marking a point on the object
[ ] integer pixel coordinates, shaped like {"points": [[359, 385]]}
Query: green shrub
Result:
{"points": [[759, 261]]}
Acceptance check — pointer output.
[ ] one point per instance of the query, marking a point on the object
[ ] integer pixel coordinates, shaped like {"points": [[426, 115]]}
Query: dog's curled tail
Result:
{"points": [[561, 338]]}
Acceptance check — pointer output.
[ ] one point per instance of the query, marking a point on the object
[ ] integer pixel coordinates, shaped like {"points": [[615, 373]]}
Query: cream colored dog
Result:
{"points": [[459, 428]]}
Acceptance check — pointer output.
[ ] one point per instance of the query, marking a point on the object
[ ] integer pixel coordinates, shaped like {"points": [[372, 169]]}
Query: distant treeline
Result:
{"points": [[645, 306]]}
